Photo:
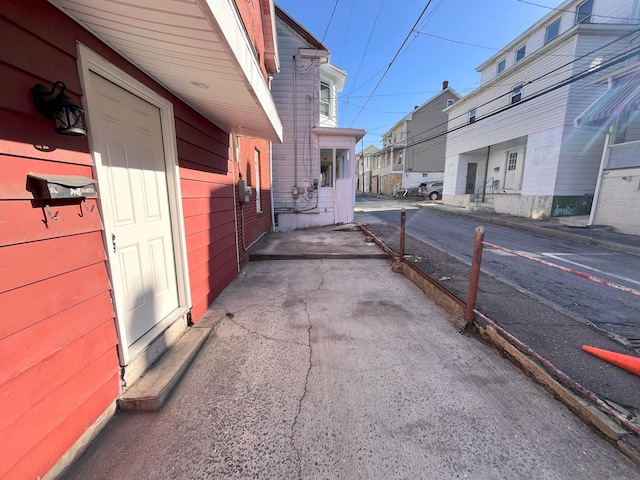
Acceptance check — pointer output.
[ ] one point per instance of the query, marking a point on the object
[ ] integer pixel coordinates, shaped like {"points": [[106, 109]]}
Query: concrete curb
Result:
{"points": [[626, 441], [151, 390]]}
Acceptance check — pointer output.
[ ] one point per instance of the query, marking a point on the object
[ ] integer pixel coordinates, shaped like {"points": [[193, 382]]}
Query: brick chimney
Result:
{"points": [[445, 84]]}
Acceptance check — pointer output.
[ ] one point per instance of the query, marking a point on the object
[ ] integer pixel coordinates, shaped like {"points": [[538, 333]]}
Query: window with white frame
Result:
{"points": [[502, 64], [450, 101], [325, 99], [520, 53], [516, 94], [552, 31], [583, 13], [472, 115], [256, 166]]}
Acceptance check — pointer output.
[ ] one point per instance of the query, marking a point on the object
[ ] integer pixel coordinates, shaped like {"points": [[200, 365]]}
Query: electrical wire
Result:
{"points": [[393, 60], [546, 91], [537, 78], [572, 11], [335, 6]]}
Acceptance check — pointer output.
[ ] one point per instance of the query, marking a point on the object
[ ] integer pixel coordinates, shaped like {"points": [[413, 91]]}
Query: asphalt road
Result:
{"points": [[609, 309], [552, 312]]}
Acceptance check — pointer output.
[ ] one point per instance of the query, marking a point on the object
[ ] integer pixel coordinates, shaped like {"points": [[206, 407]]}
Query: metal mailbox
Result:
{"points": [[59, 187]]}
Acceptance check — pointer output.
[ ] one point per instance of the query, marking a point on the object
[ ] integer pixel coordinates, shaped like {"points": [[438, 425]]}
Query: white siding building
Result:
{"points": [[313, 181], [513, 146], [617, 196], [413, 150]]}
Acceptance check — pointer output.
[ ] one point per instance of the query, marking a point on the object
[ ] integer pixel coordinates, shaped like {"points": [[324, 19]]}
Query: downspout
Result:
{"points": [[295, 127], [273, 214], [486, 174], [596, 193], [236, 154]]}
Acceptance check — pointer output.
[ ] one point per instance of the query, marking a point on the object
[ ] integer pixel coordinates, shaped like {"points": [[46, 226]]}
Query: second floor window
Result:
{"points": [[325, 99], [553, 30], [516, 94], [584, 12], [502, 64], [472, 115], [520, 53]]}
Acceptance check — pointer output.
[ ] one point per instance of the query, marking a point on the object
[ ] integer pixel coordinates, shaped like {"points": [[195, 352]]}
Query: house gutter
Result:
{"points": [[596, 193], [236, 158]]}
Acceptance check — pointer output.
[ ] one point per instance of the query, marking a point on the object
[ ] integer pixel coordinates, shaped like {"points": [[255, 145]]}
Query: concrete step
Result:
{"points": [[151, 390], [482, 207]]}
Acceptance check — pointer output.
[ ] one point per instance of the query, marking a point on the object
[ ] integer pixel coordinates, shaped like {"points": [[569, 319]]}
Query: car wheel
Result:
{"points": [[434, 196]]}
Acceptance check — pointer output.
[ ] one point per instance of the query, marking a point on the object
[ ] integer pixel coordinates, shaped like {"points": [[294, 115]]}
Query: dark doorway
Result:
{"points": [[472, 169]]}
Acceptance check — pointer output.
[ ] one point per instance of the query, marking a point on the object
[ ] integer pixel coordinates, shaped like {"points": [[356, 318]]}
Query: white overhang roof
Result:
{"points": [[186, 43]]}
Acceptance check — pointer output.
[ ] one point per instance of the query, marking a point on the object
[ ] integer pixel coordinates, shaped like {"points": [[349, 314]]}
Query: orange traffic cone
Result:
{"points": [[627, 362]]}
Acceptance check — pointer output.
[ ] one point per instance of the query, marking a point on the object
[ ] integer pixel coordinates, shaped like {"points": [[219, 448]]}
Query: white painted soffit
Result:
{"points": [[188, 45]]}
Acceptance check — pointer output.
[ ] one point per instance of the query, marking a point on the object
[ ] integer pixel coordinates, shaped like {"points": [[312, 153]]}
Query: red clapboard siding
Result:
{"points": [[44, 23], [211, 222], [27, 348], [19, 304], [208, 272], [198, 155], [206, 146], [21, 222], [52, 447], [33, 136], [201, 134], [205, 255], [203, 206], [201, 173], [18, 395], [207, 292], [31, 262], [194, 189], [13, 183], [188, 119], [26, 433], [206, 238], [213, 263], [40, 57]]}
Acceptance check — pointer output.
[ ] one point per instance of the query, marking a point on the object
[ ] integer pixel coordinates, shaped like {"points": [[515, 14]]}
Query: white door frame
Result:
{"points": [[90, 62]]}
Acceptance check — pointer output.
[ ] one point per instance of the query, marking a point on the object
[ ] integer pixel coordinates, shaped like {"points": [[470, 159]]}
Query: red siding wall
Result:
{"points": [[58, 365], [252, 224]]}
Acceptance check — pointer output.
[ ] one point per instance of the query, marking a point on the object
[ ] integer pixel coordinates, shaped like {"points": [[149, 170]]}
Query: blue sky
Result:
{"points": [[364, 35]]}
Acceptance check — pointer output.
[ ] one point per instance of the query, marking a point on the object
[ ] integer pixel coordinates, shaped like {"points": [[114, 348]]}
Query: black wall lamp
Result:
{"points": [[66, 115]]}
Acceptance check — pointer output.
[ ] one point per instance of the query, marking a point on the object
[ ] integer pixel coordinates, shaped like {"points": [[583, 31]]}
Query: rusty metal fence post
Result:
{"points": [[474, 277], [403, 215]]}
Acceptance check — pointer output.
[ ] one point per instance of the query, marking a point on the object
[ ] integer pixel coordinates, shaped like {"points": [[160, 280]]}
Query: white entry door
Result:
{"points": [[511, 174], [127, 134]]}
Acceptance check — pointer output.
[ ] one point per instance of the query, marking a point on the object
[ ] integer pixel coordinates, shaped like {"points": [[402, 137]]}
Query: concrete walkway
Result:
{"points": [[339, 368]]}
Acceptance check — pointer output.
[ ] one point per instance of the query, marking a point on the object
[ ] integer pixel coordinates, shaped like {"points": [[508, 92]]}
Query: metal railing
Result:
{"points": [[478, 245]]}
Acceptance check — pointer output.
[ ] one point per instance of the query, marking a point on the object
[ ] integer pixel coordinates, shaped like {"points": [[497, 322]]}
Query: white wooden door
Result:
{"points": [[344, 188], [511, 177], [128, 137]]}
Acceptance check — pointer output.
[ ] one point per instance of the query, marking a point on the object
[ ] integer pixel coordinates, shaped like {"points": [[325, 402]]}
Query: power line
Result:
{"points": [[564, 83], [539, 77], [572, 11], [366, 48], [330, 18], [392, 61]]}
